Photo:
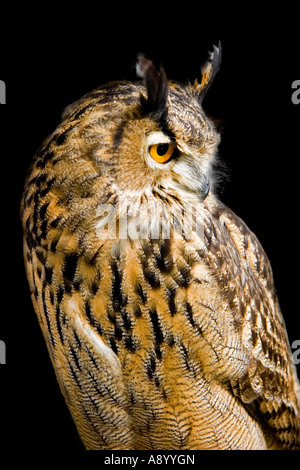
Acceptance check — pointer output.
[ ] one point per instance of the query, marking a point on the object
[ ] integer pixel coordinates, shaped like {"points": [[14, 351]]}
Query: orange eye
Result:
{"points": [[161, 153]]}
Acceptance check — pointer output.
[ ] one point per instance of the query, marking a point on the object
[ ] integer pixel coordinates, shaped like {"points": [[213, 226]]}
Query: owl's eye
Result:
{"points": [[161, 153]]}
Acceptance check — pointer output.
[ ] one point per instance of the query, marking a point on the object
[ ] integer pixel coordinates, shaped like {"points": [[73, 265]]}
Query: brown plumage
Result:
{"points": [[156, 301]]}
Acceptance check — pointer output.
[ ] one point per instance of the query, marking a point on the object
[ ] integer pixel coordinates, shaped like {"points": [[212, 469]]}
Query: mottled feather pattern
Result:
{"points": [[166, 343]]}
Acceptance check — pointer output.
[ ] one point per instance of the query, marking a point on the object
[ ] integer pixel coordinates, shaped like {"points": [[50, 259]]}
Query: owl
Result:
{"points": [[156, 302]]}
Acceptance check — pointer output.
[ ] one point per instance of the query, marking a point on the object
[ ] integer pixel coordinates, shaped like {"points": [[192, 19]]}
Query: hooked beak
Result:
{"points": [[189, 175]]}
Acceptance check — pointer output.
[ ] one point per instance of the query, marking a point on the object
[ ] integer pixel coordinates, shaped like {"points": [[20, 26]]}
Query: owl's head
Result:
{"points": [[139, 142], [151, 135]]}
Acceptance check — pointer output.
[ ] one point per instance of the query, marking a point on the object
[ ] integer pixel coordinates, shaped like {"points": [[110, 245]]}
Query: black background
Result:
{"points": [[49, 60]]}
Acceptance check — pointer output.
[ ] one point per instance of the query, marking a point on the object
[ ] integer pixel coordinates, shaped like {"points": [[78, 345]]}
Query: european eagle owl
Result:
{"points": [[156, 302]]}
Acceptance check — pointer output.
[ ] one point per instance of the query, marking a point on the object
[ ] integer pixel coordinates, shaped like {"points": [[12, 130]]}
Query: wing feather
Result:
{"points": [[88, 371], [245, 274]]}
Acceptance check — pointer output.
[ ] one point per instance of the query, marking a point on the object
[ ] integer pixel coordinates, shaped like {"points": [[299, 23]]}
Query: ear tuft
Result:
{"points": [[209, 71], [155, 82]]}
